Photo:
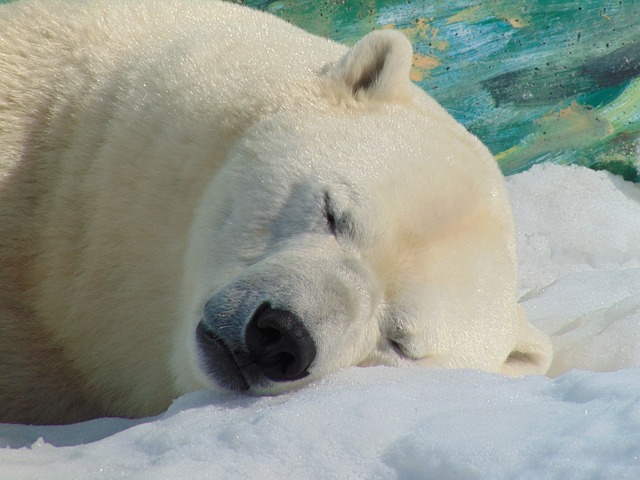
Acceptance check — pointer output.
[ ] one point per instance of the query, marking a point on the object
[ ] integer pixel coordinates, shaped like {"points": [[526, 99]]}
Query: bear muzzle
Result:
{"points": [[277, 347]]}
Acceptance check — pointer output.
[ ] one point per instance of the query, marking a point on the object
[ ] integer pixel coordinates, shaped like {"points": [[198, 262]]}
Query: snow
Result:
{"points": [[579, 244]]}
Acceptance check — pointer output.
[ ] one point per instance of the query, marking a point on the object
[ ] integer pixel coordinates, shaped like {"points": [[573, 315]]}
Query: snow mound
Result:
{"points": [[377, 423], [572, 219], [579, 243]]}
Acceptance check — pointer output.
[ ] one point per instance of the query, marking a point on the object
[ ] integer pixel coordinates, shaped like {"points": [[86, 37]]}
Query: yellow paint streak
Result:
{"points": [[513, 12], [421, 64], [500, 156], [419, 30], [573, 120], [569, 128], [517, 22], [422, 31], [466, 15], [510, 12]]}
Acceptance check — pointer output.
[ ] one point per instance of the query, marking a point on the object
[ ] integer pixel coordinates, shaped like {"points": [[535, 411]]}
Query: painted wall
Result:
{"points": [[536, 80]]}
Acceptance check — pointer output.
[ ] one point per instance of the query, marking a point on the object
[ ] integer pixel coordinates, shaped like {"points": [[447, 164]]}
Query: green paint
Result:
{"points": [[536, 80], [540, 80]]}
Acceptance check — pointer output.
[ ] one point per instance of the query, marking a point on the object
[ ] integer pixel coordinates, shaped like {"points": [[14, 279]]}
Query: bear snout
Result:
{"points": [[279, 343], [218, 360]]}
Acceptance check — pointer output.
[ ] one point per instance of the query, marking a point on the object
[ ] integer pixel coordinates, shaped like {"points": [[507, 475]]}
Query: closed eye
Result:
{"points": [[398, 348], [339, 223], [330, 215]]}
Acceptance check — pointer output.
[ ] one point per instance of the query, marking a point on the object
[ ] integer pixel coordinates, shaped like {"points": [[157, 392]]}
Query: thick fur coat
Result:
{"points": [[197, 195]]}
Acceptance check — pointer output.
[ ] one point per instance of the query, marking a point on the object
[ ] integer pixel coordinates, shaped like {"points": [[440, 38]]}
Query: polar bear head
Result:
{"points": [[359, 226]]}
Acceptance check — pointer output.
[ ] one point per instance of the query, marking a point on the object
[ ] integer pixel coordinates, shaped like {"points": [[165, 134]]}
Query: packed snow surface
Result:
{"points": [[579, 245]]}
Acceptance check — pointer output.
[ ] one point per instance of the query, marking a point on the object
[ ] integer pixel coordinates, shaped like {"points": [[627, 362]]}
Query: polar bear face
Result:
{"points": [[212, 198], [363, 227]]}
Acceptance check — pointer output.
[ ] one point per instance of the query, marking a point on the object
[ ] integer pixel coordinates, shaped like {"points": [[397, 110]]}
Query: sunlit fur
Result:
{"points": [[158, 153]]}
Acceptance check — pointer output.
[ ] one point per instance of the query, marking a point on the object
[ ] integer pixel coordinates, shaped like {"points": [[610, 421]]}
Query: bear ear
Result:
{"points": [[377, 67], [532, 354]]}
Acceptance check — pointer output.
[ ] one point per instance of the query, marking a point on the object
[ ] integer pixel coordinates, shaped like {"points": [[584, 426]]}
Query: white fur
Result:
{"points": [[155, 153]]}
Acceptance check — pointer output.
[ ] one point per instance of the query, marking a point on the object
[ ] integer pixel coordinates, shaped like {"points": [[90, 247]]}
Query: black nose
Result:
{"points": [[280, 344]]}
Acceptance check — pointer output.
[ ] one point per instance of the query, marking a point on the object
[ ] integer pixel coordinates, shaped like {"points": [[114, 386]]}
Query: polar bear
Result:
{"points": [[196, 195]]}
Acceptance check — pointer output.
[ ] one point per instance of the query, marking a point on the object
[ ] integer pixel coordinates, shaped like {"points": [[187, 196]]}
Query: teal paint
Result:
{"points": [[537, 80]]}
